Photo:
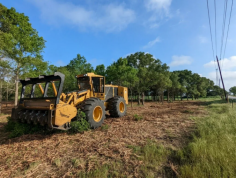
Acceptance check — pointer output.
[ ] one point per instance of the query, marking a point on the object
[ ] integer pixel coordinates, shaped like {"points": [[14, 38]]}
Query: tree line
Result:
{"points": [[145, 75], [21, 57]]}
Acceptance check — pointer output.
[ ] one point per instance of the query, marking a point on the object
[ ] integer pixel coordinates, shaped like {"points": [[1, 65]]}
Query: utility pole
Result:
{"points": [[221, 78]]}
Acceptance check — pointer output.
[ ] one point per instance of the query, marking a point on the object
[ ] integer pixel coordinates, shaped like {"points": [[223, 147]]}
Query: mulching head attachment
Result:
{"points": [[39, 99]]}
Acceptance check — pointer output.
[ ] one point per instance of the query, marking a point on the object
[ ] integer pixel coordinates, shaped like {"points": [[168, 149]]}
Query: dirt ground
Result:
{"points": [[38, 155], [7, 107]]}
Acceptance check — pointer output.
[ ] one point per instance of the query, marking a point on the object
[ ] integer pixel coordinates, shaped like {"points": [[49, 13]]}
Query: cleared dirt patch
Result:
{"points": [[7, 107], [60, 154]]}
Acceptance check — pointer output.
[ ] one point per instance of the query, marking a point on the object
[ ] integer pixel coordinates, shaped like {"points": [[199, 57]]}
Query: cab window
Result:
{"points": [[83, 83], [98, 84]]}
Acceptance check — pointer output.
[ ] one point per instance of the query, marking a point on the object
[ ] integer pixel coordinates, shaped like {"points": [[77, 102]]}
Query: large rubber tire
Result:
{"points": [[94, 110], [117, 106]]}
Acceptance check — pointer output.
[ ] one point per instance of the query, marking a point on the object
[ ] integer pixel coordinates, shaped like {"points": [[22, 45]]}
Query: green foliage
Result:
{"points": [[70, 80], [101, 172], [17, 129], [18, 34], [233, 90], [193, 85], [118, 72], [137, 117], [79, 65], [121, 73], [215, 91], [163, 75], [21, 45], [147, 68], [80, 124], [175, 86], [21, 42], [105, 127], [100, 70], [76, 66]]}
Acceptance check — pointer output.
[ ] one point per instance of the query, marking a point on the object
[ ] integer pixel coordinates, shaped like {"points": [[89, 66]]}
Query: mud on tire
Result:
{"points": [[94, 110], [117, 106]]}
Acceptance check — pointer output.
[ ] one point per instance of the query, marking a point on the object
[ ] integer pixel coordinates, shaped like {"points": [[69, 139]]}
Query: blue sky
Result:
{"points": [[176, 32]]}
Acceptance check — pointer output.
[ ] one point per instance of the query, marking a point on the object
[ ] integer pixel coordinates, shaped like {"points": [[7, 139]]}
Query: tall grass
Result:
{"points": [[212, 153], [153, 156]]}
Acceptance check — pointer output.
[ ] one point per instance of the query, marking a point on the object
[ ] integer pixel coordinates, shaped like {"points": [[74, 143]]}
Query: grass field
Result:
{"points": [[211, 151], [180, 139]]}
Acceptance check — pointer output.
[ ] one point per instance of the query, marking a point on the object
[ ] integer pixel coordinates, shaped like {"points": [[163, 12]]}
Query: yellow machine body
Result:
{"points": [[57, 111]]}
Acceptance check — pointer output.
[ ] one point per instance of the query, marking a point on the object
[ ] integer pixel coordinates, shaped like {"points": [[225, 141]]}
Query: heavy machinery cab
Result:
{"points": [[92, 82], [96, 84]]}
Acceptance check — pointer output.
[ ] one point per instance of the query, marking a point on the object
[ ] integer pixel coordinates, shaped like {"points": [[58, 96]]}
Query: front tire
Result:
{"points": [[117, 106], [94, 110]]}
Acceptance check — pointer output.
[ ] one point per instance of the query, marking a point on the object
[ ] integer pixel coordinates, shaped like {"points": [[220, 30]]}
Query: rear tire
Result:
{"points": [[94, 110], [117, 106]]}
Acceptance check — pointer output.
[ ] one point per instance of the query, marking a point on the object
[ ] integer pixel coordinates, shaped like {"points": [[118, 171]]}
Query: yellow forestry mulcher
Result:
{"points": [[43, 102]]}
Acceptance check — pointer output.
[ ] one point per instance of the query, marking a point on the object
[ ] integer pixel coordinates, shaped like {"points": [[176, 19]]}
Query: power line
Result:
{"points": [[228, 28], [215, 28], [209, 19], [223, 27]]}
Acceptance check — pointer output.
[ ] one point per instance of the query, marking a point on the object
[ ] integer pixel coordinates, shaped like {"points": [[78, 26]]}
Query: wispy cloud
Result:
{"points": [[202, 39], [226, 64], [158, 5], [229, 78], [228, 67], [158, 10], [210, 64], [155, 25], [180, 60], [109, 17], [60, 63], [152, 43]]}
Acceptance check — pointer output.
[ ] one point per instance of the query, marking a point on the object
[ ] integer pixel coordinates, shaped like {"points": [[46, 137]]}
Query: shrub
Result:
{"points": [[137, 117], [17, 129], [105, 127], [80, 124]]}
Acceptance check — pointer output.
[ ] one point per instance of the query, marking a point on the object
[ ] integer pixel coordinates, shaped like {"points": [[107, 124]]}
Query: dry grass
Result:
{"points": [[63, 155]]}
